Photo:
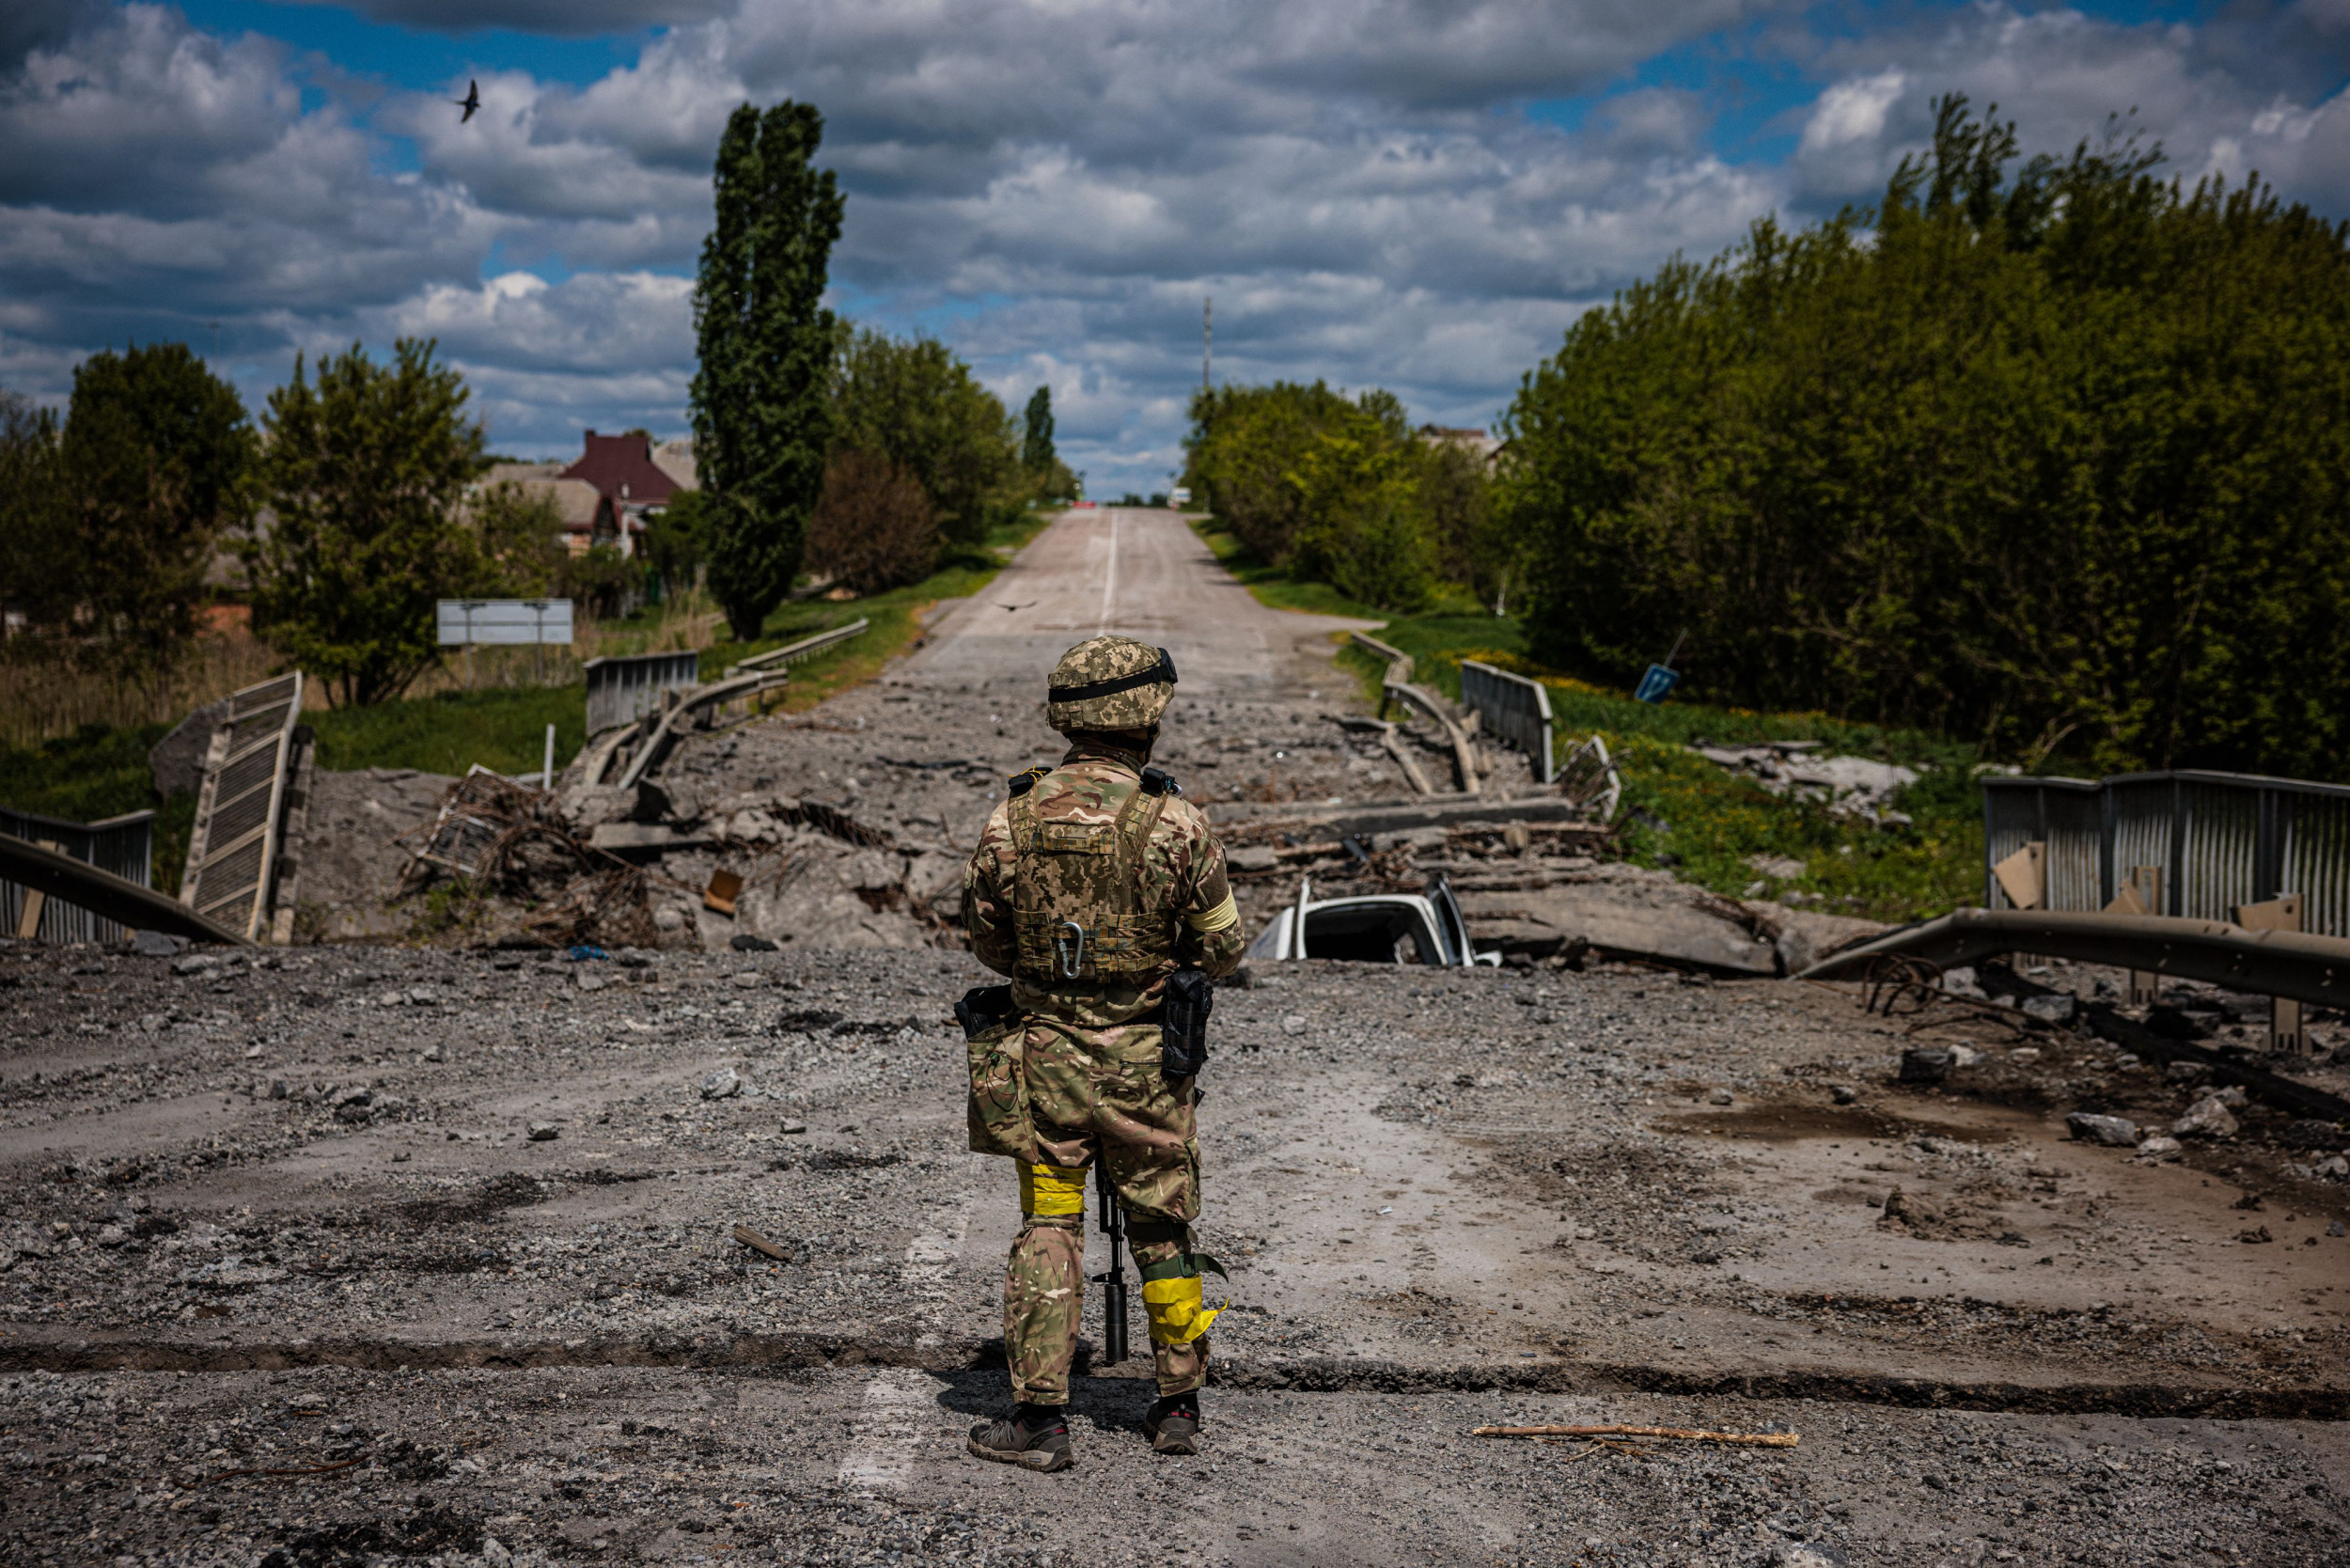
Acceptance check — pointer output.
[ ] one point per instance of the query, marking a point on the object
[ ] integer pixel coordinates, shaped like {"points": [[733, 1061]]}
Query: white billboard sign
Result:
{"points": [[493, 621]]}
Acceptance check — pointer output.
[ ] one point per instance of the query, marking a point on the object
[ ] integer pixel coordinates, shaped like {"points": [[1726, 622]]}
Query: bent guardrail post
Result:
{"points": [[107, 895]]}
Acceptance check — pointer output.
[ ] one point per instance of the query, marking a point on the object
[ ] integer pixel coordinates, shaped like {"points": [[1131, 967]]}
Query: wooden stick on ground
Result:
{"points": [[1760, 1439], [757, 1242]]}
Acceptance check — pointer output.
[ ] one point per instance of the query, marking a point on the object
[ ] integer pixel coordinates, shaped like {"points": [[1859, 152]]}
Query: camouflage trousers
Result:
{"points": [[1098, 1093]]}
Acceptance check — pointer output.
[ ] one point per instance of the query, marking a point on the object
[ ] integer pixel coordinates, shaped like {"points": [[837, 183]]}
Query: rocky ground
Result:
{"points": [[351, 1254], [467, 1222]]}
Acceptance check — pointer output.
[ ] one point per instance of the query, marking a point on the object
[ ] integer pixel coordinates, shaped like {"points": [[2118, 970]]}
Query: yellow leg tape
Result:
{"points": [[1175, 1316], [1052, 1189]]}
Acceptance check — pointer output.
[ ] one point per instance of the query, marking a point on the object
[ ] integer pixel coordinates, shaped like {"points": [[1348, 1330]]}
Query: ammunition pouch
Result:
{"points": [[996, 1034], [1184, 1024]]}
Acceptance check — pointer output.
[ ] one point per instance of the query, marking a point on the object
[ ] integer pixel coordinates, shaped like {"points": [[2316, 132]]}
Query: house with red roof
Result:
{"points": [[632, 485]]}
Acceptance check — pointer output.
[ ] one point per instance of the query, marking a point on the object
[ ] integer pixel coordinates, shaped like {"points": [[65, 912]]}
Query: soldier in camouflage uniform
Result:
{"points": [[1090, 887]]}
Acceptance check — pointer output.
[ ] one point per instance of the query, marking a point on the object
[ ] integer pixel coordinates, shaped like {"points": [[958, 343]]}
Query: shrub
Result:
{"points": [[874, 526]]}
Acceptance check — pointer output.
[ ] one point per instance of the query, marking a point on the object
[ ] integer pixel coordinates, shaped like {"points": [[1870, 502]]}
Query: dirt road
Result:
{"points": [[344, 1255]]}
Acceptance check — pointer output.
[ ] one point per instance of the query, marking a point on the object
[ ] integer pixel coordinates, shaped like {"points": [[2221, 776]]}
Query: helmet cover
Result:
{"points": [[1109, 682]]}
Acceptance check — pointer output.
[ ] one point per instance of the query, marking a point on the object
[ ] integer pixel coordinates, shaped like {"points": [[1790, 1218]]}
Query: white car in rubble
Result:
{"points": [[1372, 928]]}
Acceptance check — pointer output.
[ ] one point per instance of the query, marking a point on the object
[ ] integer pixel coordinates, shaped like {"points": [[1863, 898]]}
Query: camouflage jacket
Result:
{"points": [[1146, 912]]}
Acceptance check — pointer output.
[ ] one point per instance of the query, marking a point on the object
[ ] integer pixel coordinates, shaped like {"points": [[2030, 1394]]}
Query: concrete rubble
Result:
{"points": [[1847, 786]]}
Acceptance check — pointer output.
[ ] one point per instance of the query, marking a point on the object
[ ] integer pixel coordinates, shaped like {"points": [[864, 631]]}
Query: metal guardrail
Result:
{"points": [[1398, 662], [121, 846], [2216, 842], [792, 654], [1515, 707], [2289, 964], [664, 734], [623, 689], [111, 898]]}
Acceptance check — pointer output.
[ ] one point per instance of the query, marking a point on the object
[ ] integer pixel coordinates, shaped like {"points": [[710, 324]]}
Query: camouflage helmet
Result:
{"points": [[1110, 683]]}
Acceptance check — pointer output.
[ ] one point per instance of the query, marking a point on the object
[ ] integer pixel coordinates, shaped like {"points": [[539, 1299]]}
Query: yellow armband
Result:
{"points": [[1208, 923]]}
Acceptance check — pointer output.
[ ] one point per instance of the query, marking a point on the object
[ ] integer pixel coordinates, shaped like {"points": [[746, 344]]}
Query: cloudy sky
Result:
{"points": [[1416, 194]]}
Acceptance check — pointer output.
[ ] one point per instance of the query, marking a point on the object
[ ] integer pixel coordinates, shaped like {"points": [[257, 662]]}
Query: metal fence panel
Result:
{"points": [[2063, 813], [2314, 859], [493, 622], [1516, 709], [2219, 840], [2218, 835], [123, 845], [232, 852], [623, 690]]}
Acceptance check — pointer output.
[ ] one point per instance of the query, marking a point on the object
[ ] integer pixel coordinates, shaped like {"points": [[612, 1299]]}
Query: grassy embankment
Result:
{"points": [[101, 771], [1682, 811]]}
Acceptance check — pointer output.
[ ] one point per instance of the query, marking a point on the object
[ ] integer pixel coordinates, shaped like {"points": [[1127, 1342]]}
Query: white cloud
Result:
{"points": [[1053, 183], [1852, 112]]}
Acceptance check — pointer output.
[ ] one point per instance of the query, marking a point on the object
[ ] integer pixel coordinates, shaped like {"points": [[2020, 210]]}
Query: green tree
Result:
{"points": [[2055, 455], [914, 402], [1245, 443], [1036, 443], [597, 579], [37, 569], [677, 541], [1456, 490], [762, 416], [1330, 486], [364, 470], [518, 535], [155, 463]]}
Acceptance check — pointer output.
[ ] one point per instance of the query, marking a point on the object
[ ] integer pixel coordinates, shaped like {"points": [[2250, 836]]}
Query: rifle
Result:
{"points": [[1113, 1279]]}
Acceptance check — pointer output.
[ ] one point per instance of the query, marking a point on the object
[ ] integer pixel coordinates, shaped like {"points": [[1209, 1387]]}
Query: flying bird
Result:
{"points": [[471, 102]]}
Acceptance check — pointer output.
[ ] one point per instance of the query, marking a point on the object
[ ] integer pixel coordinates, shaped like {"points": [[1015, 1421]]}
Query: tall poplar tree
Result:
{"points": [[1036, 448], [762, 421]]}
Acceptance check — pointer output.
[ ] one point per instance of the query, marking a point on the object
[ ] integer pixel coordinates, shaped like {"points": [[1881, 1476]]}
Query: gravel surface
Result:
{"points": [[450, 1237]]}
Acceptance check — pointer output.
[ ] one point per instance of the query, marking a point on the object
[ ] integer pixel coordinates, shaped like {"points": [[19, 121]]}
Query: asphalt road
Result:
{"points": [[1140, 573], [359, 1254]]}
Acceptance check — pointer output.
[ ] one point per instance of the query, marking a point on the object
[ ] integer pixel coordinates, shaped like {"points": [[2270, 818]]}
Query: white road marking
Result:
{"points": [[929, 1263], [1109, 582], [900, 1408]]}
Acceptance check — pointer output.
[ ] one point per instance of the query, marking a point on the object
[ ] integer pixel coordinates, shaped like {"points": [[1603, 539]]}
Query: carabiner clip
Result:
{"points": [[1069, 949]]}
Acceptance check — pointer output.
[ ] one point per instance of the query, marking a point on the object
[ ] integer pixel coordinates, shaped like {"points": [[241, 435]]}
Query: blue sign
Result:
{"points": [[1656, 684]]}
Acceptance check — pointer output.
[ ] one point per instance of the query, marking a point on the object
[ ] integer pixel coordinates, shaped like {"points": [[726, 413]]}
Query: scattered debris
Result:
{"points": [[545, 1132], [2208, 1118], [723, 888], [1847, 786], [2114, 1132]]}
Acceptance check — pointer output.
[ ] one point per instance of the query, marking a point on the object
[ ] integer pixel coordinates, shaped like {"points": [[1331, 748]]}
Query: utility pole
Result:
{"points": [[1207, 339]]}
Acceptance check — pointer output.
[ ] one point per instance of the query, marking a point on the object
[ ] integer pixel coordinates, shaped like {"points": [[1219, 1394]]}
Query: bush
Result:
{"points": [[874, 526], [599, 581]]}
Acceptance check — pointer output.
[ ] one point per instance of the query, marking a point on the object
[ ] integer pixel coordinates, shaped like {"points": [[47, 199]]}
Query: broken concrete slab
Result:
{"points": [[1621, 912]]}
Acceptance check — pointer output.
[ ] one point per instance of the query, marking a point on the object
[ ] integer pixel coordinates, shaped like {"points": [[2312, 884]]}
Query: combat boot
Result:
{"points": [[1036, 1438], [1173, 1423]]}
